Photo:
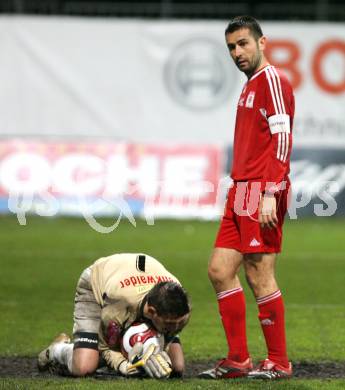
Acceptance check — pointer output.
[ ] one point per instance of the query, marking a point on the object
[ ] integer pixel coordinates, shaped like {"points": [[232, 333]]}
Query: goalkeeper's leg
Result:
{"points": [[62, 355], [80, 357]]}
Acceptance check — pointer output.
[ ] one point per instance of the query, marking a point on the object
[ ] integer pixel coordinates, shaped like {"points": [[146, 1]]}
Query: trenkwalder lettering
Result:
{"points": [[140, 280]]}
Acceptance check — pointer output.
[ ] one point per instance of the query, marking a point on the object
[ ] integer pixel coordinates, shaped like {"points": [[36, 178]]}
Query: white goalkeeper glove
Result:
{"points": [[126, 367], [156, 363]]}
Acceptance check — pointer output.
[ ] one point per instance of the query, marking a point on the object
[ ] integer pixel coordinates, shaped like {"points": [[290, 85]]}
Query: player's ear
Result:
{"points": [[262, 43], [151, 311]]}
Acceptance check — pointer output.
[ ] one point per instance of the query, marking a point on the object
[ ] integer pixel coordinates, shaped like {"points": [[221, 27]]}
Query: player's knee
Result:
{"points": [[215, 273], [252, 281], [260, 285], [83, 367], [218, 275]]}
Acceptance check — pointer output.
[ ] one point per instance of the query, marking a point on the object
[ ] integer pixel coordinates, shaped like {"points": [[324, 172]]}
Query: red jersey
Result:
{"points": [[263, 131]]}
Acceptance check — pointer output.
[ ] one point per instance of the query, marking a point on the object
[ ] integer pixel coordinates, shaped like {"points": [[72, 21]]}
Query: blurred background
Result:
{"points": [[126, 110], [317, 10], [111, 107]]}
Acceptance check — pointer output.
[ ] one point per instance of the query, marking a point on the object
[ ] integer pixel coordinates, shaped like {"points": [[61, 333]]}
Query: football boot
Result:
{"points": [[270, 370], [227, 368]]}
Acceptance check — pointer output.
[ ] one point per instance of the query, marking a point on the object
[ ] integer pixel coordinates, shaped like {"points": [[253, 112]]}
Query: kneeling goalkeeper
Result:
{"points": [[112, 294]]}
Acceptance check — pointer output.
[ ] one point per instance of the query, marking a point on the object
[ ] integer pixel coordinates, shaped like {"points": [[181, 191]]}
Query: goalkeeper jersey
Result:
{"points": [[126, 277], [119, 283], [263, 129]]}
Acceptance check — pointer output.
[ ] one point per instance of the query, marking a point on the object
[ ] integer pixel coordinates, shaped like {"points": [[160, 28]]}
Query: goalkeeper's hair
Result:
{"points": [[169, 299], [245, 21]]}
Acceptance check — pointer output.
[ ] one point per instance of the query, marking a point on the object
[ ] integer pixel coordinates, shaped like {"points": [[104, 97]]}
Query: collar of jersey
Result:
{"points": [[259, 72]]}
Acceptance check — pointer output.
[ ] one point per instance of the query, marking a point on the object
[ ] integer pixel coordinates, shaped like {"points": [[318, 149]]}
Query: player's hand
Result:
{"points": [[268, 211], [127, 368], [156, 363]]}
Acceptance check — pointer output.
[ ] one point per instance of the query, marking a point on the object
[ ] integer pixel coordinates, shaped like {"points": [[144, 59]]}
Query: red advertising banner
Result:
{"points": [[176, 178]]}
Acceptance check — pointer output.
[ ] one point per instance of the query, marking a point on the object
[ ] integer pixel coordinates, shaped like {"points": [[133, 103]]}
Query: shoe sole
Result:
{"points": [[270, 376]]}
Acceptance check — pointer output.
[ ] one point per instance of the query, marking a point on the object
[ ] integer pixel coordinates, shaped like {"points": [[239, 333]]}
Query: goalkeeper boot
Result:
{"points": [[270, 370], [45, 361], [227, 368]]}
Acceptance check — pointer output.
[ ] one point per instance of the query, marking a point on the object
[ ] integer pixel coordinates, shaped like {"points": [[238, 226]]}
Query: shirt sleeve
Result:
{"points": [[110, 334], [113, 358], [279, 112]]}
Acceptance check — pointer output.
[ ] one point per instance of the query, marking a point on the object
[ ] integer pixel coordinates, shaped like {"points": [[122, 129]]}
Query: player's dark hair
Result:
{"points": [[245, 21], [169, 299]]}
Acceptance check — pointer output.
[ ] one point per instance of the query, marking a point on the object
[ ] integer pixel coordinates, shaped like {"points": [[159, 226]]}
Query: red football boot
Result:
{"points": [[227, 368]]}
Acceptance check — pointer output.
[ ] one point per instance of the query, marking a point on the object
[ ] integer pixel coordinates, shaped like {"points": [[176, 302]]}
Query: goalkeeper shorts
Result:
{"points": [[87, 314]]}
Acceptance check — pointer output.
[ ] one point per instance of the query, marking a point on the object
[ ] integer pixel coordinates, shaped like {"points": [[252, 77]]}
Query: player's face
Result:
{"points": [[169, 325], [245, 50]]}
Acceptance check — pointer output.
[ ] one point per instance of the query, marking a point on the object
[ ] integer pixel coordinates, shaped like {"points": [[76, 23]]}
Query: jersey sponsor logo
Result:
{"points": [[141, 280], [250, 99], [254, 242]]}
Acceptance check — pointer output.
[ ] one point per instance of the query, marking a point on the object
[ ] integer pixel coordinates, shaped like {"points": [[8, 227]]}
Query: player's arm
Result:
{"points": [[279, 111], [175, 352], [109, 343]]}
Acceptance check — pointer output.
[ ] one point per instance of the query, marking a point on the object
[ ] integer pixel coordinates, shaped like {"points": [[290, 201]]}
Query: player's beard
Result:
{"points": [[256, 62], [253, 64]]}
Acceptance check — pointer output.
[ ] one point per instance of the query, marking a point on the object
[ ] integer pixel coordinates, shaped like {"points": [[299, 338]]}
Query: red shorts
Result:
{"points": [[240, 229]]}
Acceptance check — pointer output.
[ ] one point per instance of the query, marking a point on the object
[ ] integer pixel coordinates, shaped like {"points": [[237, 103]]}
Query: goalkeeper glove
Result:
{"points": [[156, 363], [126, 367]]}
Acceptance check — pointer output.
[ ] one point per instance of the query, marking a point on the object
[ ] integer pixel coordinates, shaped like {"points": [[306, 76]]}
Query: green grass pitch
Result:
{"points": [[41, 262]]}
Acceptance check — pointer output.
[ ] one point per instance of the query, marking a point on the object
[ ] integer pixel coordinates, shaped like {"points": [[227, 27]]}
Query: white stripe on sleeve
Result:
{"points": [[279, 144], [274, 83], [283, 147], [275, 88], [286, 147], [268, 77], [280, 89]]}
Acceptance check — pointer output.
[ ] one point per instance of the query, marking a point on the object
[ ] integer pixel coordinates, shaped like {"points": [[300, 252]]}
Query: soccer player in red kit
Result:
{"points": [[250, 232]]}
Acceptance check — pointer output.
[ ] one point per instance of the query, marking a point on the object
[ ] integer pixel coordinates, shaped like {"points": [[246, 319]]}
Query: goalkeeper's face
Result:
{"points": [[246, 50], [169, 325]]}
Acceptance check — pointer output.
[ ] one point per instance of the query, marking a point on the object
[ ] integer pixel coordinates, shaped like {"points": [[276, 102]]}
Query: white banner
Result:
{"points": [[158, 81]]}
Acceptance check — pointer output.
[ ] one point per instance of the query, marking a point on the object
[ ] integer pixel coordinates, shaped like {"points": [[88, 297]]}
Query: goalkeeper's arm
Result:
{"points": [[175, 352]]}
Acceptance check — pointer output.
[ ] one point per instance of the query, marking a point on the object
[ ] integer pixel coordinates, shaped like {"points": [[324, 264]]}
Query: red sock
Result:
{"points": [[271, 316], [232, 308]]}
